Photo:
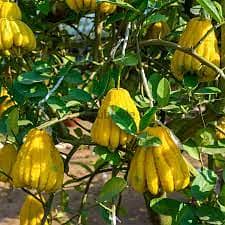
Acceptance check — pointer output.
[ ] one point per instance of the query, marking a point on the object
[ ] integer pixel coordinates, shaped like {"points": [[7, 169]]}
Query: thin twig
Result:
{"points": [[189, 51]]}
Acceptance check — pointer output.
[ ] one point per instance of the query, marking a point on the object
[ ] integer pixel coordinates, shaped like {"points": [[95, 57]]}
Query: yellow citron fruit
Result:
{"points": [[10, 10], [7, 103], [15, 34], [221, 126], [157, 30], [91, 6], [31, 212], [39, 164], [182, 63], [159, 168], [104, 131], [7, 159]]}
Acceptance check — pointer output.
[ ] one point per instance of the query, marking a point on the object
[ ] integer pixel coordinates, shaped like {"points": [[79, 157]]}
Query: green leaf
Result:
{"points": [[190, 81], [112, 157], [73, 77], [222, 195], [163, 92], [78, 95], [153, 82], [210, 214], [123, 119], [154, 18], [147, 118], [210, 8], [203, 184], [31, 77], [207, 91], [146, 140], [192, 149], [12, 122], [130, 59], [112, 188], [187, 216], [56, 103], [44, 6], [213, 150], [165, 206]]}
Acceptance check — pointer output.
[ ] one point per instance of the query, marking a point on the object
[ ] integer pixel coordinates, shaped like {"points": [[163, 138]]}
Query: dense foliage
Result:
{"points": [[124, 66]]}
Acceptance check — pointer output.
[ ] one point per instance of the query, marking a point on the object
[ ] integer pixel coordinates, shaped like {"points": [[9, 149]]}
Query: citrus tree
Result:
{"points": [[149, 77]]}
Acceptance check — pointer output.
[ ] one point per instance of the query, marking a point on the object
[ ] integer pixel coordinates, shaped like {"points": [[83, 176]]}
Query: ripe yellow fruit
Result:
{"points": [[32, 212], [90, 6], [7, 103], [182, 63], [157, 30], [104, 131], [165, 167], [14, 34], [39, 164], [10, 10], [221, 125], [7, 159]]}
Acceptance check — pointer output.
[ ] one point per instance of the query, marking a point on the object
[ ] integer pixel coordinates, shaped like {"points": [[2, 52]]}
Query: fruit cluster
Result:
{"points": [[90, 6], [159, 168], [15, 35], [200, 36], [104, 132]]}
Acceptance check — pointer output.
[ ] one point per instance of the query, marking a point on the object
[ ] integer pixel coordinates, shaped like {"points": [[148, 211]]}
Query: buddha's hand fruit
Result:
{"points": [[7, 159], [39, 164], [90, 6], [199, 34], [157, 30], [32, 212], [160, 168], [104, 131]]}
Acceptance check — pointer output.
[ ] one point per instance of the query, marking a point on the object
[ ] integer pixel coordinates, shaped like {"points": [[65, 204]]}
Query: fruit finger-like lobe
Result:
{"points": [[137, 171], [114, 136], [104, 131], [177, 154], [10, 10], [17, 36], [197, 29], [151, 173], [29, 41], [38, 165], [31, 212], [6, 34], [8, 155], [72, 4], [164, 171]]}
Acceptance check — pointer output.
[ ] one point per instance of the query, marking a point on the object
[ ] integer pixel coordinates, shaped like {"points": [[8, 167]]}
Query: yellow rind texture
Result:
{"points": [[39, 164], [157, 30], [165, 169], [10, 10], [136, 175], [221, 125], [8, 155], [31, 212], [90, 6], [104, 132], [182, 63], [7, 103]]}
